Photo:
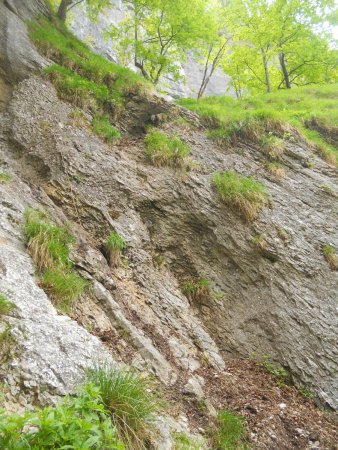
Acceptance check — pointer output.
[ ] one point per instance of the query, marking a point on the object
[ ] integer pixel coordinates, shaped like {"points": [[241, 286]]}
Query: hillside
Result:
{"points": [[197, 249]]}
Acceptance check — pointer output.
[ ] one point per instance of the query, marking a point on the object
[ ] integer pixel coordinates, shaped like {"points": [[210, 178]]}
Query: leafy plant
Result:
{"points": [[197, 291], [78, 423], [64, 287], [6, 306], [244, 193], [114, 246], [5, 178], [131, 400], [230, 431], [164, 150], [331, 257], [278, 372], [103, 129]]}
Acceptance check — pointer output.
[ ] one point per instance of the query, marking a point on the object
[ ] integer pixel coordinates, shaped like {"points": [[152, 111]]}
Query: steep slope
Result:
{"points": [[278, 300]]}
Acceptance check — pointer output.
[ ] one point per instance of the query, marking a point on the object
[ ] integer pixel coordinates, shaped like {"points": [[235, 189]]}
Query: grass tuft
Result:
{"points": [[132, 402], [6, 307], [64, 287], [244, 193], [276, 169], [331, 257], [197, 291], [230, 432], [114, 246], [5, 178], [102, 127], [163, 150], [184, 442]]}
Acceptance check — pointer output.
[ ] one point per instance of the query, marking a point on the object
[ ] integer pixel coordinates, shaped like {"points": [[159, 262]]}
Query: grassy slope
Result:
{"points": [[298, 107]]}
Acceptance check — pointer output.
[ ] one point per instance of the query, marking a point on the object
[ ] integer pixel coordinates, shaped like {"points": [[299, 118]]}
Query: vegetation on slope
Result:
{"points": [[49, 246], [163, 150], [312, 111]]}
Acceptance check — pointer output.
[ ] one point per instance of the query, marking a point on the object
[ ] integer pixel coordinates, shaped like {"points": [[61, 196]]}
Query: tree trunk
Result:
{"points": [[266, 71], [62, 11], [284, 70]]}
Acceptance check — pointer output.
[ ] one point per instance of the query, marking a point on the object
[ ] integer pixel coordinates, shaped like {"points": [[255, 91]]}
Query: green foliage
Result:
{"points": [[279, 373], [131, 400], [253, 117], [79, 423], [49, 246], [331, 257], [103, 129], [244, 193], [164, 150], [64, 287], [184, 442], [197, 291], [6, 307], [114, 246], [7, 344], [5, 178], [230, 432], [86, 79], [275, 169]]}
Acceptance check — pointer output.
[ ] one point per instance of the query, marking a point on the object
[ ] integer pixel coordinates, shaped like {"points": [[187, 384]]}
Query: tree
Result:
{"points": [[94, 7], [155, 34]]}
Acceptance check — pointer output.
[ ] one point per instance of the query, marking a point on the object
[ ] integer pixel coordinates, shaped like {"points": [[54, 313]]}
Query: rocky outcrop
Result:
{"points": [[279, 300]]}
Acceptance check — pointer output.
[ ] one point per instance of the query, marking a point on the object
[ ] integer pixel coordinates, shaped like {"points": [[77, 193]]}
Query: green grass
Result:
{"points": [[276, 169], [102, 127], [230, 432], [64, 287], [184, 442], [5, 178], [279, 373], [331, 257], [197, 291], [76, 422], [243, 193], [50, 246], [163, 150], [312, 111], [6, 307], [132, 402], [7, 344], [82, 77], [114, 246]]}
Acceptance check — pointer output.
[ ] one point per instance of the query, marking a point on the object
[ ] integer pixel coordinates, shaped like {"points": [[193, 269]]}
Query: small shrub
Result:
{"points": [[79, 422], [5, 178], [279, 373], [197, 291], [64, 287], [6, 306], [230, 432], [114, 246], [48, 244], [104, 130], [132, 402], [166, 151], [244, 193], [331, 257], [276, 169]]}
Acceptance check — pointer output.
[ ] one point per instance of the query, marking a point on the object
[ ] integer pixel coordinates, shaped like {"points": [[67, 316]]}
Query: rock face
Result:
{"points": [[280, 301], [191, 71]]}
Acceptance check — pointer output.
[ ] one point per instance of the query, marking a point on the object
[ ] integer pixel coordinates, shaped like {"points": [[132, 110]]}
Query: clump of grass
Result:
{"points": [[230, 431], [6, 307], [102, 127], [331, 257], [184, 442], [7, 344], [114, 246], [5, 178], [49, 246], [329, 191], [244, 193], [64, 287], [276, 169], [260, 242], [197, 291], [273, 146], [163, 150], [279, 373], [132, 402], [295, 113]]}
